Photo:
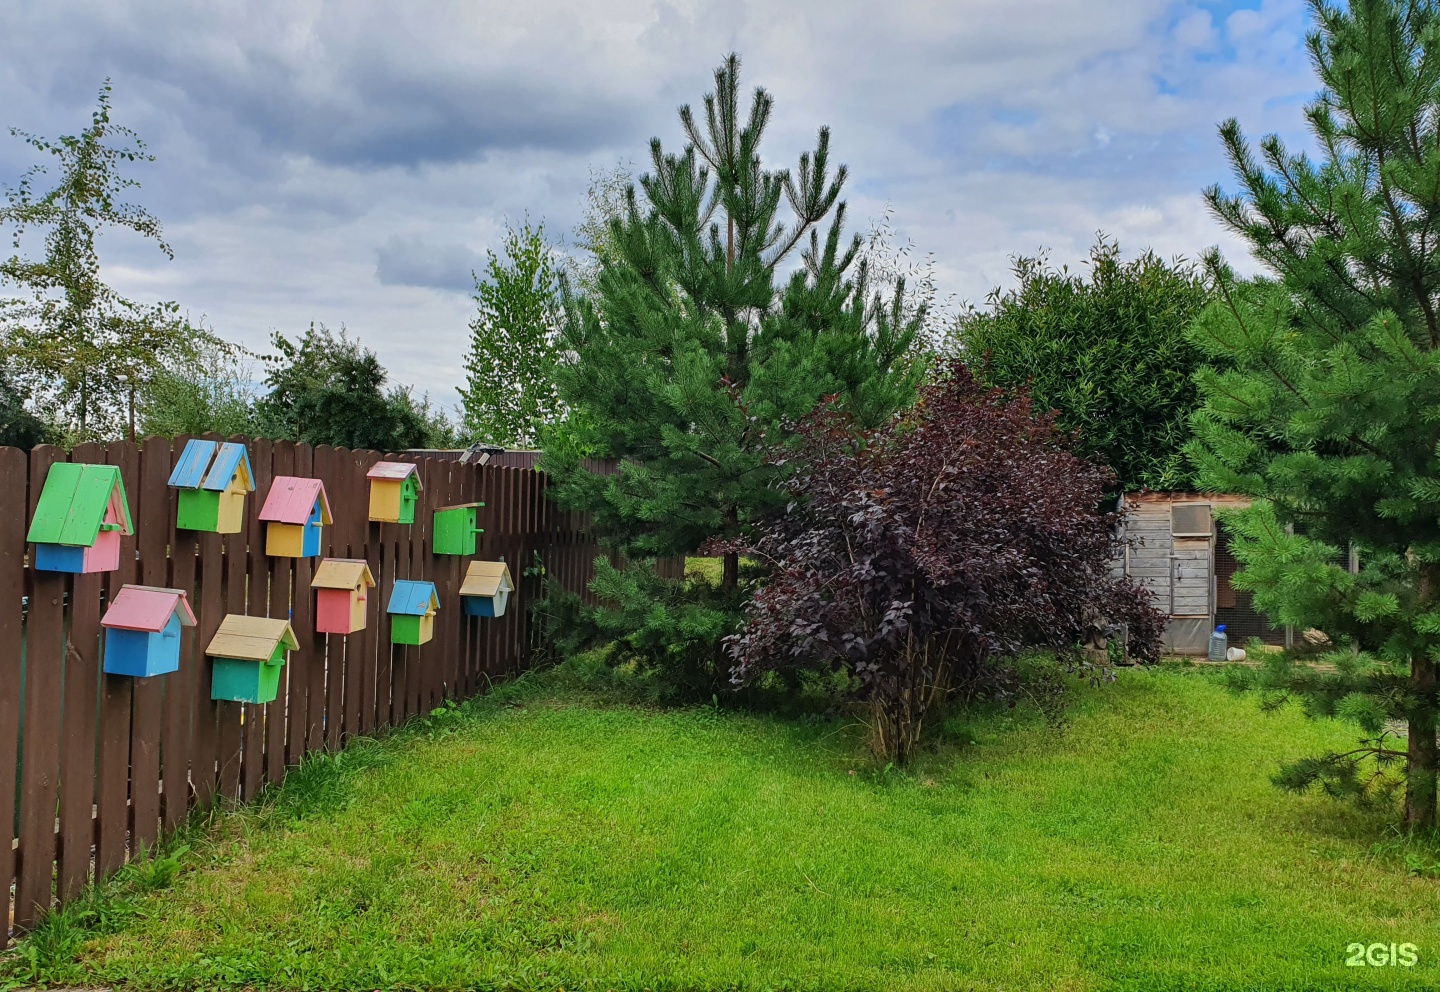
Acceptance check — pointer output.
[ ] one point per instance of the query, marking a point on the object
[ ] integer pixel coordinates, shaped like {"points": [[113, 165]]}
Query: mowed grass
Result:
{"points": [[547, 839]]}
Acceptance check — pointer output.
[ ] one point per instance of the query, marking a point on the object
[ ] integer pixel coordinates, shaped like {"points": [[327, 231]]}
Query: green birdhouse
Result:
{"points": [[81, 514], [412, 611], [249, 653], [454, 531]]}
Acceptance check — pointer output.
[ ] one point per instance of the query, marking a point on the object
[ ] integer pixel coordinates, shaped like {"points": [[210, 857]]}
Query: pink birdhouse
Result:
{"points": [[342, 591]]}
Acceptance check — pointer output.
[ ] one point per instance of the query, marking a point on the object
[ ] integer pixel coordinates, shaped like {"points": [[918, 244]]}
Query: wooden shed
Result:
{"points": [[1180, 552]]}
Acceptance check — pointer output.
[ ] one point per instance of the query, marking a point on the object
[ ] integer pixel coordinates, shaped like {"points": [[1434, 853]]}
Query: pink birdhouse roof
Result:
{"points": [[147, 608], [291, 500], [392, 471]]}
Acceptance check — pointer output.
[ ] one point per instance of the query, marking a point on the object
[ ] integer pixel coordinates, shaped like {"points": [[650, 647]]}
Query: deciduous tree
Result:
{"points": [[511, 392], [326, 388], [75, 344], [918, 556], [1107, 349]]}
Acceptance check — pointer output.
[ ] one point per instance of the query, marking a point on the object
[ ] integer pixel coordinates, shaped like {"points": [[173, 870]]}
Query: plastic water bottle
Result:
{"points": [[1218, 644]]}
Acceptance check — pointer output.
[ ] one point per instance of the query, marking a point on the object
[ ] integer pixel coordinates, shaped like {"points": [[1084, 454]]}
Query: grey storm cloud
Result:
{"points": [[402, 261], [350, 161]]}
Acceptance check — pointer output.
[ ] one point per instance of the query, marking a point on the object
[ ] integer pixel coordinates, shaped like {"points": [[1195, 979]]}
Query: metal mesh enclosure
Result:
{"points": [[1233, 607]]}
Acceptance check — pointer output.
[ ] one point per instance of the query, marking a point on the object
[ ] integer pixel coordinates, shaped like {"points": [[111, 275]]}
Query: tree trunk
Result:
{"points": [[731, 576], [1424, 757]]}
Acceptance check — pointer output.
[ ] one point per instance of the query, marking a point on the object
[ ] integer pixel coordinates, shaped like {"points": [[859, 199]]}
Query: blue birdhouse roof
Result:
{"points": [[211, 465], [413, 598]]}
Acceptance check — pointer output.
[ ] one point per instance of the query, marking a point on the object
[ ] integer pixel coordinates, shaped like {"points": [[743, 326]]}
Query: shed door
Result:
{"points": [[1190, 581]]}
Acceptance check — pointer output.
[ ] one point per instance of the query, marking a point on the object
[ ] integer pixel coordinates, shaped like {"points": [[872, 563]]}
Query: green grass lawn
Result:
{"points": [[545, 838]]}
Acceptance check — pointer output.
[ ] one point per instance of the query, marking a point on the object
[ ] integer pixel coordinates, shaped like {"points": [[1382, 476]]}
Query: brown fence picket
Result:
{"points": [[177, 731], [302, 617], [370, 636], [282, 457], [116, 697], [14, 468], [40, 747], [250, 594], [154, 521], [81, 673]]}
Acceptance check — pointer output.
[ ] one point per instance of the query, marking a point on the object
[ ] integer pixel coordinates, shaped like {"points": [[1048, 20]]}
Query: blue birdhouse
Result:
{"points": [[486, 589], [142, 630]]}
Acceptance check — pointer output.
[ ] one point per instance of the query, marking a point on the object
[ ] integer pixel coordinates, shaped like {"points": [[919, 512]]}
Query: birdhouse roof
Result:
{"points": [[487, 578], [342, 573], [459, 506], [75, 501], [413, 598], [394, 472], [291, 500], [147, 608], [251, 638], [212, 465]]}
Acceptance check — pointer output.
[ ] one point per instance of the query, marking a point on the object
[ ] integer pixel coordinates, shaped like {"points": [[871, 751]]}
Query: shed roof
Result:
{"points": [[413, 598], [486, 578], [394, 471], [212, 465], [342, 573], [457, 506], [75, 501], [147, 608], [291, 499], [1151, 496], [251, 638]]}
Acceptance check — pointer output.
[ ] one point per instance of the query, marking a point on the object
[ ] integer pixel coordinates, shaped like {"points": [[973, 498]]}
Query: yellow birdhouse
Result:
{"points": [[394, 491]]}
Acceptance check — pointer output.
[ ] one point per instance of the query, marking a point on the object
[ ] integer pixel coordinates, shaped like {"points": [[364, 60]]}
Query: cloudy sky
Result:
{"points": [[349, 162]]}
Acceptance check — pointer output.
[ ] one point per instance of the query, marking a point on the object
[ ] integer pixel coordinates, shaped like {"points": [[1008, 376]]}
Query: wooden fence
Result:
{"points": [[100, 764]]}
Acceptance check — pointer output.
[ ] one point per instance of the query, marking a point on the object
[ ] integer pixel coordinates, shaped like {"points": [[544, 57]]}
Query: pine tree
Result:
{"points": [[1330, 416], [694, 342]]}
